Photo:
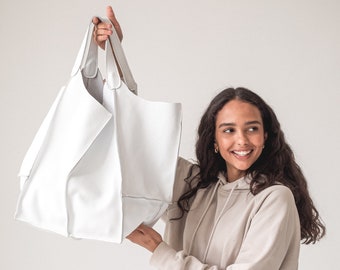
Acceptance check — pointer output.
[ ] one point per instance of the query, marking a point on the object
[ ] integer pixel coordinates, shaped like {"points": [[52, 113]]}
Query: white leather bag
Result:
{"points": [[104, 159]]}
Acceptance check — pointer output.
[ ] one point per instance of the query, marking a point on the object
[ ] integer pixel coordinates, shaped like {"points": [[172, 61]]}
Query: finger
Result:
{"points": [[102, 32], [101, 38], [135, 236], [143, 228], [110, 14], [99, 24], [96, 20], [104, 25], [112, 17], [139, 230]]}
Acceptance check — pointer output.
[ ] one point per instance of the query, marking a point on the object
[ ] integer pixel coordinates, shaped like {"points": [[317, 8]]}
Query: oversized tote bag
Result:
{"points": [[104, 159]]}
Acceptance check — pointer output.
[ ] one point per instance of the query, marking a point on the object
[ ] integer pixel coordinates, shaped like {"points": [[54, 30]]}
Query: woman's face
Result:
{"points": [[239, 136]]}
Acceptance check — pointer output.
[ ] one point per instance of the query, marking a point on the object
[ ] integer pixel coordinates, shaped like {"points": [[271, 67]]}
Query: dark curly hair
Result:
{"points": [[276, 162]]}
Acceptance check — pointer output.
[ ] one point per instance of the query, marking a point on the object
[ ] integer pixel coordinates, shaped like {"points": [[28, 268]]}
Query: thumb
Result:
{"points": [[111, 16]]}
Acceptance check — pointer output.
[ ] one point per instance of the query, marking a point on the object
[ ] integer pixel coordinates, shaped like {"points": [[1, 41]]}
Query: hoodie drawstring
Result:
{"points": [[216, 222], [203, 215]]}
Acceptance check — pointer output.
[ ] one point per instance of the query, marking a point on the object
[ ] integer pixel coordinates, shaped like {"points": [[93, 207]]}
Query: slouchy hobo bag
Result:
{"points": [[103, 161]]}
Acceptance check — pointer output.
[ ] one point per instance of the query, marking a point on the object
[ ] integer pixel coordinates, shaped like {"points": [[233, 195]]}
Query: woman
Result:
{"points": [[245, 204]]}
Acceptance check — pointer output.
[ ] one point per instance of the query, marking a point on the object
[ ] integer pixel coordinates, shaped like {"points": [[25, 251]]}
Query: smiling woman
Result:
{"points": [[245, 204]]}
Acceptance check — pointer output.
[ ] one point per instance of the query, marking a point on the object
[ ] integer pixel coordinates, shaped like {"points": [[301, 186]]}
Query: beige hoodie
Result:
{"points": [[229, 228]]}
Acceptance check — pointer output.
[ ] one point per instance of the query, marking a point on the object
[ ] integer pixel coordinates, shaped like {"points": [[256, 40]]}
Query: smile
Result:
{"points": [[242, 153]]}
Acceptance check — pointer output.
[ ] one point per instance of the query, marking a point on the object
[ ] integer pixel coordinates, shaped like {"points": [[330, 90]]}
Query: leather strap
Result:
{"points": [[114, 47]]}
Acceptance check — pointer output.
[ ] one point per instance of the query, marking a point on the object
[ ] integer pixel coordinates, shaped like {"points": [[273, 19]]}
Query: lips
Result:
{"points": [[242, 153]]}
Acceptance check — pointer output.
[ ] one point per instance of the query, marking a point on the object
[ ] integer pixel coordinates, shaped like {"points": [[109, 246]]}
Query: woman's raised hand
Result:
{"points": [[103, 30]]}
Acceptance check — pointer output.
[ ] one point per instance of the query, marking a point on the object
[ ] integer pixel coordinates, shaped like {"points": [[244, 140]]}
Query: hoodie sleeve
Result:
{"points": [[166, 258], [273, 237], [271, 241]]}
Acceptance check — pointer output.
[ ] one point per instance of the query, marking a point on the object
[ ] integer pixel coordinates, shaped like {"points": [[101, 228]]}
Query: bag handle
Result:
{"points": [[115, 52], [87, 60]]}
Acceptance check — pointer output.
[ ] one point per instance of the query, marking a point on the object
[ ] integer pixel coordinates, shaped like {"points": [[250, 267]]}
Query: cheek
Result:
{"points": [[223, 141], [258, 141]]}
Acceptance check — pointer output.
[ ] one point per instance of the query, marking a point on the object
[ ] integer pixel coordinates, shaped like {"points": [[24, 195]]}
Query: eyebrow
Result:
{"points": [[255, 122]]}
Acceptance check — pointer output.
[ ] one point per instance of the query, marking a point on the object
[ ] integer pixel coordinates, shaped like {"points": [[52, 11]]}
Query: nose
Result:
{"points": [[242, 139]]}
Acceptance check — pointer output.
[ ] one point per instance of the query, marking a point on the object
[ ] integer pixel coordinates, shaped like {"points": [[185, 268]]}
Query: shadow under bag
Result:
{"points": [[104, 160]]}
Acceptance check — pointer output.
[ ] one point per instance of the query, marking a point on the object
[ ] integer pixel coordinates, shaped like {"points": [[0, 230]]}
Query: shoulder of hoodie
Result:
{"points": [[277, 194], [184, 167]]}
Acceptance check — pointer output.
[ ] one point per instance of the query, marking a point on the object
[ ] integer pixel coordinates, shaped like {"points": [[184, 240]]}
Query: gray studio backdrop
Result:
{"points": [[179, 51]]}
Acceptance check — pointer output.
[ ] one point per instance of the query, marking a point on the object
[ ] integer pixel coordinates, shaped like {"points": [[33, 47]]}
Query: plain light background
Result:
{"points": [[179, 51]]}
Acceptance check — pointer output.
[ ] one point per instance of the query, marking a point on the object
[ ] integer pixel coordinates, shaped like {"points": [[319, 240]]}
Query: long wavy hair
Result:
{"points": [[276, 162]]}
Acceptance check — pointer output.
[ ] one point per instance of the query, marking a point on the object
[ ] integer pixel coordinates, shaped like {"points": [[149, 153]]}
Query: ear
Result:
{"points": [[216, 147], [265, 136]]}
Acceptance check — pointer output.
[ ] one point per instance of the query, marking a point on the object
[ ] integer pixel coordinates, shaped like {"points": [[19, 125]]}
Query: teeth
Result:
{"points": [[242, 153]]}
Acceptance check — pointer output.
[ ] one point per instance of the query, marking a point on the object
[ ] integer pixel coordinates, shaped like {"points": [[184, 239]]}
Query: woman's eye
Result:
{"points": [[228, 130], [252, 129]]}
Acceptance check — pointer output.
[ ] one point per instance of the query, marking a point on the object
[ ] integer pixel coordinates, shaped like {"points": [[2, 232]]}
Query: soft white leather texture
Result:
{"points": [[104, 159]]}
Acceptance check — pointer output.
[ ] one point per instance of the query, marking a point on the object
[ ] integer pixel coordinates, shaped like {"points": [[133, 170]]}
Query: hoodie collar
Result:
{"points": [[241, 183]]}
